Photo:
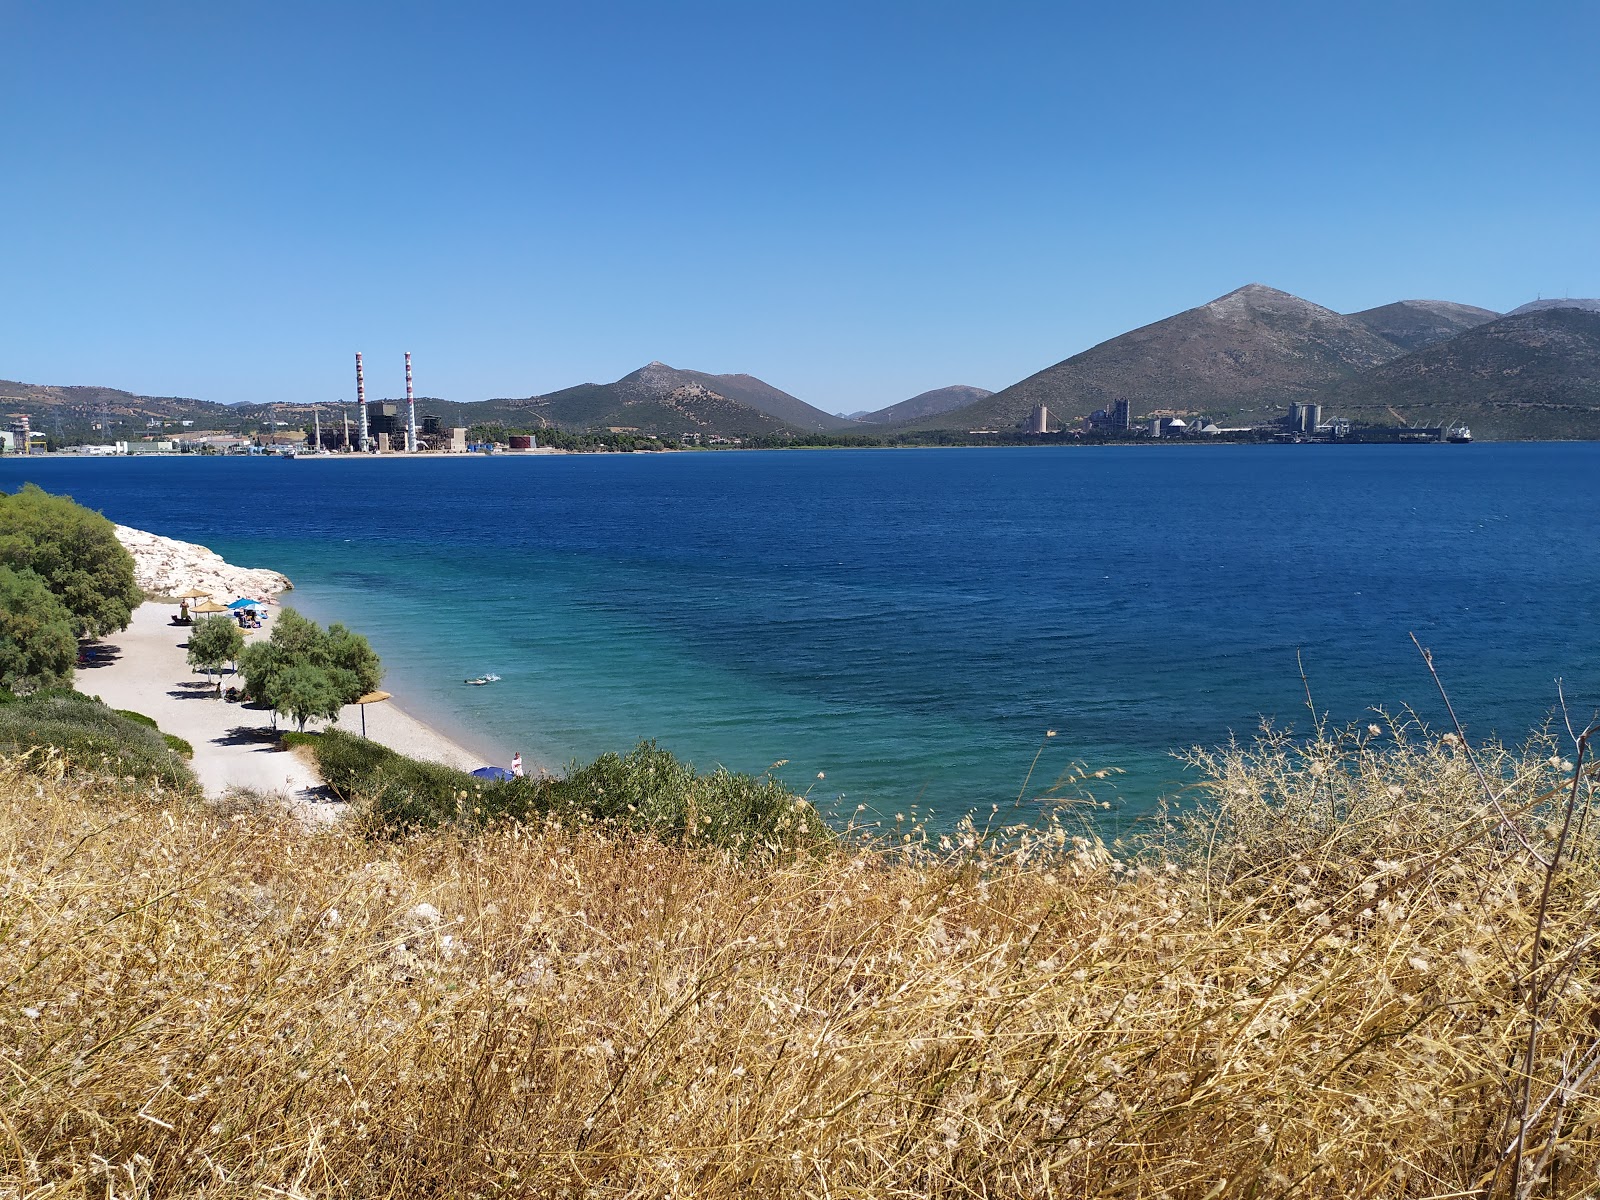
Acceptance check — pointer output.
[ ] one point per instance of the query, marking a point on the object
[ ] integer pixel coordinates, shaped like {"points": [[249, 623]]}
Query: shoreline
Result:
{"points": [[144, 669], [155, 649], [426, 706]]}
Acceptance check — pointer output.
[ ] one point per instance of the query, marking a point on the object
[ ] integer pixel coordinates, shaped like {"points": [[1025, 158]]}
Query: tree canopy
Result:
{"points": [[213, 641], [37, 644], [75, 551], [305, 671]]}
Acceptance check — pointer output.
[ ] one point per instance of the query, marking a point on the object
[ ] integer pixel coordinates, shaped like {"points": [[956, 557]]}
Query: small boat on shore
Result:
{"points": [[482, 679]]}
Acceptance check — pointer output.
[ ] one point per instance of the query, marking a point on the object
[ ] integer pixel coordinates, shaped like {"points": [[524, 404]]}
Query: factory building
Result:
{"points": [[1039, 419], [1113, 418], [1304, 418]]}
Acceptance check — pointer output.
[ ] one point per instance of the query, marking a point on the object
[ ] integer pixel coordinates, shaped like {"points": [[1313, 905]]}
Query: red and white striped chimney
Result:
{"points": [[411, 411], [361, 404]]}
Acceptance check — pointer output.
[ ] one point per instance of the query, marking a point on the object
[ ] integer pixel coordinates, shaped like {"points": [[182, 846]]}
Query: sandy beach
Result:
{"points": [[144, 668]]}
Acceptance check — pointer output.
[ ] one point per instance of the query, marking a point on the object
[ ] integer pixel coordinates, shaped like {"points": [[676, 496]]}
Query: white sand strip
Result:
{"points": [[145, 669]]}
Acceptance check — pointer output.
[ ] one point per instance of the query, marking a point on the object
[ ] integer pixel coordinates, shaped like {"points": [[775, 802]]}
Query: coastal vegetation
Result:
{"points": [[566, 439], [1354, 964], [59, 733], [75, 551], [646, 791], [213, 641], [304, 671], [63, 575], [37, 645]]}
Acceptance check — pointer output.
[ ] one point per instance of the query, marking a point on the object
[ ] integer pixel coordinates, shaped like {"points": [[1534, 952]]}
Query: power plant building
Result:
{"points": [[384, 419]]}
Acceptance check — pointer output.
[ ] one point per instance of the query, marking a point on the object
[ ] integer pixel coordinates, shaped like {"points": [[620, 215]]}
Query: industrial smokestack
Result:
{"points": [[411, 411], [361, 404]]}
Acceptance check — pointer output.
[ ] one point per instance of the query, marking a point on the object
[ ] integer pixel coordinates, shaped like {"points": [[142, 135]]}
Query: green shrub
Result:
{"points": [[304, 671], [91, 737], [139, 718], [650, 790], [75, 552], [646, 791], [37, 645], [179, 746]]}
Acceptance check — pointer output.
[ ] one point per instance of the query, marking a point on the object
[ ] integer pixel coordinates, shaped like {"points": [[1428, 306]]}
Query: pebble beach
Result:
{"points": [[144, 668]]}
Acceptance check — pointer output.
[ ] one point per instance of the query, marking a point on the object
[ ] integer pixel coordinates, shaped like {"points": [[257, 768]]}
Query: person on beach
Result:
{"points": [[516, 764]]}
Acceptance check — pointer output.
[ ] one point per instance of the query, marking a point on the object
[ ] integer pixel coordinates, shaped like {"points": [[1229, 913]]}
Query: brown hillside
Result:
{"points": [[1254, 348]]}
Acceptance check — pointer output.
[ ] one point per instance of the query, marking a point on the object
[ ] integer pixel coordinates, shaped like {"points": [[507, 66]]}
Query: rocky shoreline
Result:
{"points": [[167, 567]]}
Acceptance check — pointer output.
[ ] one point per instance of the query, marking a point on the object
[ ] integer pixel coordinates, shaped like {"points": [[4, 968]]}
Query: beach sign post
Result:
{"points": [[369, 698]]}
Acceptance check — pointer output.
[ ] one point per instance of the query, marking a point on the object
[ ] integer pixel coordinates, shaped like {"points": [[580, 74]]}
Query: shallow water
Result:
{"points": [[909, 623]]}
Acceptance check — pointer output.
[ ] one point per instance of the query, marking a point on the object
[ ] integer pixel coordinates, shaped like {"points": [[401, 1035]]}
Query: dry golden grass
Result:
{"points": [[1319, 988]]}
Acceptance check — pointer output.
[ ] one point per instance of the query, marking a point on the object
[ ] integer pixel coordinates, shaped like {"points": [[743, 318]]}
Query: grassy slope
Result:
{"points": [[1327, 1002]]}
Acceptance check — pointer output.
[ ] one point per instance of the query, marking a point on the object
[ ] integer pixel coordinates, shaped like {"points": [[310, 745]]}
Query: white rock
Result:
{"points": [[167, 567]]}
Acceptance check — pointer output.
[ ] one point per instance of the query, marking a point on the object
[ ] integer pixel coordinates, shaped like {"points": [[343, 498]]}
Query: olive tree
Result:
{"points": [[305, 671], [37, 645], [213, 641], [75, 551]]}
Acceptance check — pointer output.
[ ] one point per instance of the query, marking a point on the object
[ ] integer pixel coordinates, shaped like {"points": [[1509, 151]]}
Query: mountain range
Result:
{"points": [[1243, 358], [1239, 359]]}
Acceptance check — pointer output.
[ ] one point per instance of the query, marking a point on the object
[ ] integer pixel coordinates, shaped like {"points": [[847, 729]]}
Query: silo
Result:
{"points": [[1039, 419]]}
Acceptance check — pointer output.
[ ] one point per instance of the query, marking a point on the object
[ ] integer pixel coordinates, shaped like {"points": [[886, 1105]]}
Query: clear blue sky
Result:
{"points": [[854, 201]]}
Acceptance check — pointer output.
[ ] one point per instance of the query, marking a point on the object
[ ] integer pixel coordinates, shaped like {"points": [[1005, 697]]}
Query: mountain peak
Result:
{"points": [[1242, 303]]}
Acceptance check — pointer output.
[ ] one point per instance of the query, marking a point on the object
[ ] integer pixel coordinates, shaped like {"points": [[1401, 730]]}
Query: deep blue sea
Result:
{"points": [[909, 623]]}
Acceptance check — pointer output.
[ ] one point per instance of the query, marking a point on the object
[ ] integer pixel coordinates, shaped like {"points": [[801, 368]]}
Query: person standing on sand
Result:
{"points": [[516, 764]]}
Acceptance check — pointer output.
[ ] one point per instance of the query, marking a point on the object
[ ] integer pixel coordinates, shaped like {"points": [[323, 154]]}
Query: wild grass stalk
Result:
{"points": [[1312, 983]]}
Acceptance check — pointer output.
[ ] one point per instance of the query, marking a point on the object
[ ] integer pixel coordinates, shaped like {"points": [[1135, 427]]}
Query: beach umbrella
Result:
{"points": [[369, 698], [210, 606], [493, 774], [193, 594]]}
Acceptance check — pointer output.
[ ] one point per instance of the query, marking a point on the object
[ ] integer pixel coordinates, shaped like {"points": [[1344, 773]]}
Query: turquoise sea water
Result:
{"points": [[910, 623]]}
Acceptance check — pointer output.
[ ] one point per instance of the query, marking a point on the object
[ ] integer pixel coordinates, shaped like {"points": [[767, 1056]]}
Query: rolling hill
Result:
{"points": [[1534, 374], [1415, 324], [925, 404], [663, 400]]}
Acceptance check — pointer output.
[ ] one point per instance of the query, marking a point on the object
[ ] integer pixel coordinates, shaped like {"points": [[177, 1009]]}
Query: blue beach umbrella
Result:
{"points": [[493, 774]]}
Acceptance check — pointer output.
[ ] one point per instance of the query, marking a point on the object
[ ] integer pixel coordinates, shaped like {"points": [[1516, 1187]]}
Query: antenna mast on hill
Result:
{"points": [[411, 411], [361, 403]]}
